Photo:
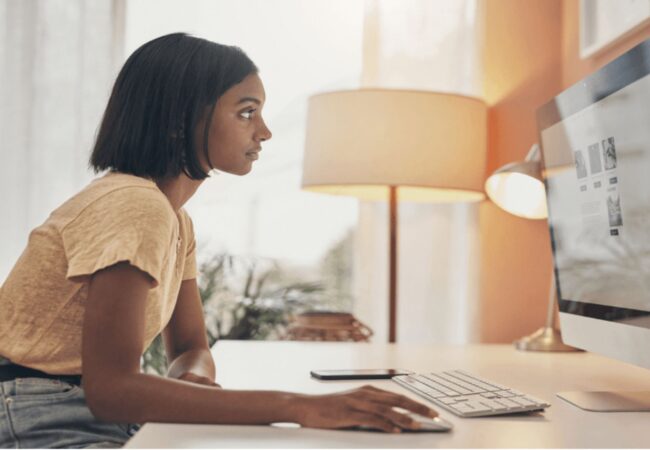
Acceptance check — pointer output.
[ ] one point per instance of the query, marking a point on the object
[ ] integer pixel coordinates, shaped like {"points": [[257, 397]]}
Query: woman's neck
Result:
{"points": [[178, 190]]}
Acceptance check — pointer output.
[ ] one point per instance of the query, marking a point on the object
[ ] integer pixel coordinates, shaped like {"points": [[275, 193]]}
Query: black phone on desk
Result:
{"points": [[358, 374]]}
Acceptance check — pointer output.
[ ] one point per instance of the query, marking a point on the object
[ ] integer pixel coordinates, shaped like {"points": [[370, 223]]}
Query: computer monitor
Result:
{"points": [[595, 141]]}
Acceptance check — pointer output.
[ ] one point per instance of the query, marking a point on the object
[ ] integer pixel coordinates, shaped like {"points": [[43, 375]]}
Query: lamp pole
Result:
{"points": [[392, 265]]}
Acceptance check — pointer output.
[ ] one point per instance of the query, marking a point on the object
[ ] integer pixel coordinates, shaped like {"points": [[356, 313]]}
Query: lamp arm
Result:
{"points": [[534, 153], [552, 295]]}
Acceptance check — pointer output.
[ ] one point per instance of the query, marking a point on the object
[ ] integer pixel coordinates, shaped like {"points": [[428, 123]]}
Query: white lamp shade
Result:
{"points": [[517, 189], [430, 145]]}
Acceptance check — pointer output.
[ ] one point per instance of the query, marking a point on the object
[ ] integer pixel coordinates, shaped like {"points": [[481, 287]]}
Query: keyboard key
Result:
{"points": [[474, 381], [477, 406], [517, 393], [471, 387], [509, 403], [423, 387], [462, 408], [525, 402], [444, 386], [459, 385], [495, 405], [513, 399]]}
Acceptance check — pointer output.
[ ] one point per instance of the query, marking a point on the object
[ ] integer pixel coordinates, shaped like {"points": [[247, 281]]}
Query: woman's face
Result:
{"points": [[237, 129]]}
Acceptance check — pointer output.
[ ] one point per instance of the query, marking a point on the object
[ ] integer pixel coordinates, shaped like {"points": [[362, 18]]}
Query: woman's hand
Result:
{"points": [[363, 407], [197, 379]]}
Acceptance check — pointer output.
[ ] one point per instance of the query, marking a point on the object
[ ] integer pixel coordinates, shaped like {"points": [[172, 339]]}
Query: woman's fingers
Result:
{"points": [[411, 405], [399, 401], [387, 413]]}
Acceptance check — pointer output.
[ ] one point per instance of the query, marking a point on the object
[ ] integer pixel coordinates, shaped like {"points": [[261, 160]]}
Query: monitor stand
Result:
{"points": [[630, 401]]}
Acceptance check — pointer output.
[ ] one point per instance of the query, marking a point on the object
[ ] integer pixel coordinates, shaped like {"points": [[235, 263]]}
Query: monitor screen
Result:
{"points": [[595, 141]]}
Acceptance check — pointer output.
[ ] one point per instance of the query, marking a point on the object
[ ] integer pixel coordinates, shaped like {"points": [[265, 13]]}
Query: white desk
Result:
{"points": [[286, 366]]}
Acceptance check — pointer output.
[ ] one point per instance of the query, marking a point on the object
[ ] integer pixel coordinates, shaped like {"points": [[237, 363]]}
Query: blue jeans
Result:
{"points": [[47, 413]]}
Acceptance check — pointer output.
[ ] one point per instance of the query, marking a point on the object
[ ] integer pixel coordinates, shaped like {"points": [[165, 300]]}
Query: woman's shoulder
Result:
{"points": [[115, 194], [128, 191]]}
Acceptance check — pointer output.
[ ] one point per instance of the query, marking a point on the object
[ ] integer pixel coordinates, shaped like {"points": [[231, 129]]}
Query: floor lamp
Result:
{"points": [[518, 189], [395, 145]]}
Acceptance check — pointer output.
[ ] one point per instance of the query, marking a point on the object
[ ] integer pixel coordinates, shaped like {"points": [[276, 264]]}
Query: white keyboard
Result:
{"points": [[469, 396]]}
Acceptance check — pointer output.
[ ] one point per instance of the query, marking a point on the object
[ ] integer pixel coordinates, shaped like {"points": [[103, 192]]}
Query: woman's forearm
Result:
{"points": [[141, 398]]}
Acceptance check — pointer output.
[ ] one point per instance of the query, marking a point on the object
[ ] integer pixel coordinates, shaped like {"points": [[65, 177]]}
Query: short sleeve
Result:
{"points": [[134, 225], [190, 268]]}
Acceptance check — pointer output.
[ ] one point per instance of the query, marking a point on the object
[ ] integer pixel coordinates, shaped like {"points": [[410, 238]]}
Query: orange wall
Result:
{"points": [[522, 71], [531, 54]]}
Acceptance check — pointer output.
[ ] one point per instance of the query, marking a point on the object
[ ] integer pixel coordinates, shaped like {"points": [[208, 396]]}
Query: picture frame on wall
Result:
{"points": [[604, 22]]}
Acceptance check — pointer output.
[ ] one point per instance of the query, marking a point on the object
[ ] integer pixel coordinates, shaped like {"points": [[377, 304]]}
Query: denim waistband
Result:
{"points": [[12, 371]]}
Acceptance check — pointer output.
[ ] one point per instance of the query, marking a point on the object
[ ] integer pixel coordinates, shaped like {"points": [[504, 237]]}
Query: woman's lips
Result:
{"points": [[253, 155]]}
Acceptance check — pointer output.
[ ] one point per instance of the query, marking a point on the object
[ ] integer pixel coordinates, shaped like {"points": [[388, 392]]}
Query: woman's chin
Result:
{"points": [[239, 171]]}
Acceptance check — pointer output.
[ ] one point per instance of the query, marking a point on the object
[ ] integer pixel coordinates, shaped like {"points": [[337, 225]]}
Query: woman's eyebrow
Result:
{"points": [[249, 99]]}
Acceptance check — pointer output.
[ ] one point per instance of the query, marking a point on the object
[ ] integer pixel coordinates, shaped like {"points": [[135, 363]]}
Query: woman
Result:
{"points": [[114, 266]]}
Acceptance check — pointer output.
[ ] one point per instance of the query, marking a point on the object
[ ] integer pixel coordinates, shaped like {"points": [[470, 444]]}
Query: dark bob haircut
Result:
{"points": [[160, 95]]}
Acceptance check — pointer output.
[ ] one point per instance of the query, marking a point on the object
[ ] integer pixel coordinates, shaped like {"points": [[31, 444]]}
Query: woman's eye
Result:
{"points": [[247, 114]]}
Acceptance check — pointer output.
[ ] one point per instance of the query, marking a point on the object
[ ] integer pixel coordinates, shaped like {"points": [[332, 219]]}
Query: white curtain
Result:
{"points": [[58, 59], [430, 45]]}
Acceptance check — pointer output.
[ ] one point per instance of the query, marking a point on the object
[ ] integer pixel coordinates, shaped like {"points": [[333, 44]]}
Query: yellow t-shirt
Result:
{"points": [[117, 217]]}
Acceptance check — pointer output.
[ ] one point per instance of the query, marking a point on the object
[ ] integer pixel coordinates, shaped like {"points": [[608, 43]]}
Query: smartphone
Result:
{"points": [[358, 374]]}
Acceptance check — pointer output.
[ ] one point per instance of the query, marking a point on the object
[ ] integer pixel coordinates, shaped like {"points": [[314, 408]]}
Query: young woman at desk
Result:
{"points": [[114, 266]]}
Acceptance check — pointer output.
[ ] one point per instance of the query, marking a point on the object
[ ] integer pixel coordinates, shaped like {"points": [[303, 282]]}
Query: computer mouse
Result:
{"points": [[430, 424], [427, 424]]}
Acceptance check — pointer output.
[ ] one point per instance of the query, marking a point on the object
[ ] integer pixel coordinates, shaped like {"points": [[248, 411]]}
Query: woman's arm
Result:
{"points": [[117, 391], [186, 341]]}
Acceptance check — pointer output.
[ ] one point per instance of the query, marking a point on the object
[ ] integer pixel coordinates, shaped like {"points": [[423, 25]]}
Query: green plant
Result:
{"points": [[244, 299]]}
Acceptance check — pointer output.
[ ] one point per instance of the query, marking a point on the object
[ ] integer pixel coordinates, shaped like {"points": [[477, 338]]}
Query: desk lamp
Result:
{"points": [[381, 144], [518, 189]]}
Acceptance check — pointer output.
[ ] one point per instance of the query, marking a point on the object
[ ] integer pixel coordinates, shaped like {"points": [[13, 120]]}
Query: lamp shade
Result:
{"points": [[518, 188], [430, 145]]}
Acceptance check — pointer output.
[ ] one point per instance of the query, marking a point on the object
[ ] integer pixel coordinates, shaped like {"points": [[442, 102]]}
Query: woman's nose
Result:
{"points": [[264, 134]]}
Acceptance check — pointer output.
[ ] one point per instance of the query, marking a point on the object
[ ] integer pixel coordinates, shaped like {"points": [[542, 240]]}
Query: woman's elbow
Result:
{"points": [[107, 399]]}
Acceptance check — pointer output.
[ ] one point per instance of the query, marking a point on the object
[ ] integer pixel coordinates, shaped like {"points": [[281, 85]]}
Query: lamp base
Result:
{"points": [[546, 339]]}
